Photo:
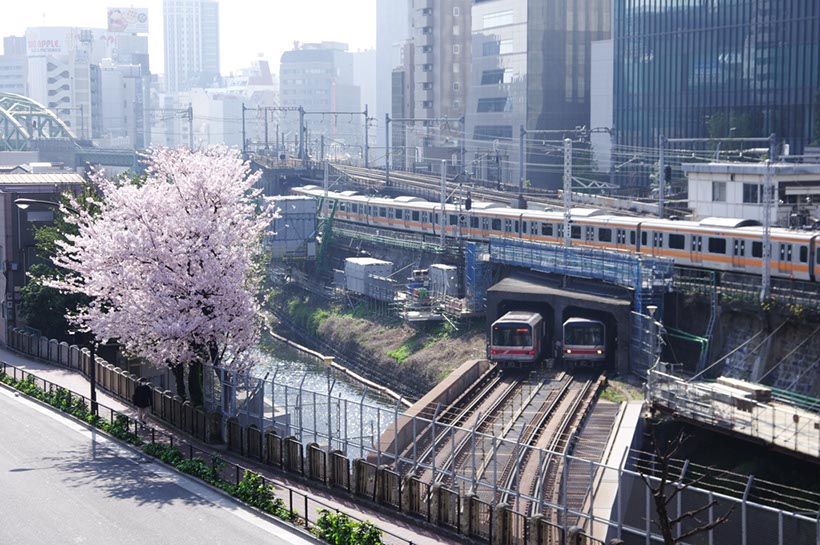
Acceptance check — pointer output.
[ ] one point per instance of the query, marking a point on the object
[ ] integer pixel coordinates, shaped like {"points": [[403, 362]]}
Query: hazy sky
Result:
{"points": [[247, 27]]}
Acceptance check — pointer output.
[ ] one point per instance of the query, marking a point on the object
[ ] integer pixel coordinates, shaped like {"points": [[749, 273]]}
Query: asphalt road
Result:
{"points": [[63, 483]]}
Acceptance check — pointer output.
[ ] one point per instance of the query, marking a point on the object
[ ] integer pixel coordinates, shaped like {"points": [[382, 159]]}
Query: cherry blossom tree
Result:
{"points": [[169, 262]]}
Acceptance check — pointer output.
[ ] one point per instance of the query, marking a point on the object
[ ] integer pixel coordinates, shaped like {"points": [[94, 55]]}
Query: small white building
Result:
{"points": [[735, 190]]}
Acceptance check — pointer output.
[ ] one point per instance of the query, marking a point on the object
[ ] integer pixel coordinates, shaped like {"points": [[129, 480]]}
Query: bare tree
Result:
{"points": [[667, 489]]}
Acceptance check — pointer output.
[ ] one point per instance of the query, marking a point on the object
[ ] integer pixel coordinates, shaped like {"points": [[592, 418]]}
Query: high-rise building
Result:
{"points": [[531, 69], [13, 65], [122, 110], [191, 43], [440, 34], [392, 32], [319, 78], [717, 69]]}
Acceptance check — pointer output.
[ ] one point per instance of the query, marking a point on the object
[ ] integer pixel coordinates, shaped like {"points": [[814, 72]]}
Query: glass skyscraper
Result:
{"points": [[716, 68]]}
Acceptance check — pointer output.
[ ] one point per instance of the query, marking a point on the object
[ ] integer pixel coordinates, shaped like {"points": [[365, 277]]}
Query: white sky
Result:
{"points": [[247, 27]]}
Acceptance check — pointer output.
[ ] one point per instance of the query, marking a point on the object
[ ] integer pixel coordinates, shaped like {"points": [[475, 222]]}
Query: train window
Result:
{"points": [[507, 226], [804, 254], [533, 228], [524, 227], [575, 231], [643, 238], [485, 224], [590, 233], [757, 249], [515, 226], [605, 235], [632, 237], [677, 242], [657, 240], [496, 224], [785, 252], [382, 212], [717, 245], [398, 213], [342, 207], [621, 233], [453, 219], [473, 222], [414, 215], [560, 231], [546, 229]]}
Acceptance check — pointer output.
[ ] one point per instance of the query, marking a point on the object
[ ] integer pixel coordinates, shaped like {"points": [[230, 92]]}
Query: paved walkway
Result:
{"points": [[388, 520]]}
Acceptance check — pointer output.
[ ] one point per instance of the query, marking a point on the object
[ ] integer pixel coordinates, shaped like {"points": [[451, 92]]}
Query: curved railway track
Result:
{"points": [[433, 184]]}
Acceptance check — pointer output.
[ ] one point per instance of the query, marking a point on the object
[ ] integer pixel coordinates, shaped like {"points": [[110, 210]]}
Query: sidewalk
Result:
{"points": [[416, 531]]}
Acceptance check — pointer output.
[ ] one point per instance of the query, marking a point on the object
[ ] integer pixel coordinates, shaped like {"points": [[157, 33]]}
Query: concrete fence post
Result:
{"points": [[574, 536], [435, 503], [501, 524], [536, 529]]}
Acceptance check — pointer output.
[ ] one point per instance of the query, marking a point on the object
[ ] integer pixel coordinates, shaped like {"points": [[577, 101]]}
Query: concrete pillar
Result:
{"points": [[435, 503], [406, 494], [536, 528], [469, 522], [358, 476], [574, 535], [501, 525]]}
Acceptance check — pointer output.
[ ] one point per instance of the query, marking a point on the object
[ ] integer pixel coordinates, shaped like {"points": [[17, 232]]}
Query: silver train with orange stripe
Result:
{"points": [[713, 243]]}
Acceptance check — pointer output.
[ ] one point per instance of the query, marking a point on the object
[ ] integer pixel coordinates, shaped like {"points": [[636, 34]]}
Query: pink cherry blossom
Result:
{"points": [[169, 263]]}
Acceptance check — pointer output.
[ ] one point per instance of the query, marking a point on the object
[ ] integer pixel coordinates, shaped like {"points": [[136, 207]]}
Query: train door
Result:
{"points": [[657, 243], [814, 258], [696, 250], [784, 262], [738, 253], [620, 237]]}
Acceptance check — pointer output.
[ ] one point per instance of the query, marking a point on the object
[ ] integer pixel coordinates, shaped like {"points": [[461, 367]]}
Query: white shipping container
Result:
{"points": [[358, 269]]}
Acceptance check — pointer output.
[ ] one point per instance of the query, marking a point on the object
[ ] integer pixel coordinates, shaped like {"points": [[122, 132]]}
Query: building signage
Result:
{"points": [[48, 41], [128, 20]]}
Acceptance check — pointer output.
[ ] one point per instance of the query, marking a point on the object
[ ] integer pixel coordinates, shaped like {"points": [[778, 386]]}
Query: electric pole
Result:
{"points": [[190, 126]]}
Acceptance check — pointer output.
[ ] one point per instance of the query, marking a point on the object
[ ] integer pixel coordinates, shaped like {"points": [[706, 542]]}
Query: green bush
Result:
{"points": [[339, 529]]}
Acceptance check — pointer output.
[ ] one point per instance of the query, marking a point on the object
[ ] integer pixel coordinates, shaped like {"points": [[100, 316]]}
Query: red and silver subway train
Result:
{"points": [[517, 338], [712, 243], [584, 344]]}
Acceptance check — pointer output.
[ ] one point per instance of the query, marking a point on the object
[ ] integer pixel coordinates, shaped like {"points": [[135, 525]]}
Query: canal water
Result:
{"points": [[317, 404]]}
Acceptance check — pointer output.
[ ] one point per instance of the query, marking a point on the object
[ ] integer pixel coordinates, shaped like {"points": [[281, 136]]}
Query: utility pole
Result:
{"points": [[190, 126], [267, 147], [322, 151], [766, 279], [567, 191], [661, 175], [521, 137], [244, 138], [277, 138], [463, 144], [442, 223], [366, 138], [387, 149], [302, 134]]}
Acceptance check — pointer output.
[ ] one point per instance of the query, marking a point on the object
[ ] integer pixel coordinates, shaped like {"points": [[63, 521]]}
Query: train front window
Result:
{"points": [[583, 335], [512, 335]]}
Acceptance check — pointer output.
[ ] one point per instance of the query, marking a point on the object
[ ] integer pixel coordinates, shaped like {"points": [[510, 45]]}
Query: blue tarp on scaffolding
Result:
{"points": [[477, 275], [649, 277]]}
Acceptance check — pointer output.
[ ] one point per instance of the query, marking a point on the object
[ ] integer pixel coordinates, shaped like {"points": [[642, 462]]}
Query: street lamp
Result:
{"points": [[23, 204]]}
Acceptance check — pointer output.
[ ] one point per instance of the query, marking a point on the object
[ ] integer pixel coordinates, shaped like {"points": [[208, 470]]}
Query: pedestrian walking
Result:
{"points": [[143, 400]]}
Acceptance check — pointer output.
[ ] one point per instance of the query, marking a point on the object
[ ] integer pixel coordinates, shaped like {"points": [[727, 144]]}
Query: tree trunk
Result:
{"points": [[179, 375], [195, 383]]}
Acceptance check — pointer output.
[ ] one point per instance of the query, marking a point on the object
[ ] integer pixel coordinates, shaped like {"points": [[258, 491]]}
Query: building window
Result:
{"points": [[491, 105], [456, 68], [492, 77], [751, 193], [456, 11], [456, 49], [427, 104], [718, 191], [456, 86], [456, 104], [427, 11], [499, 18], [427, 67]]}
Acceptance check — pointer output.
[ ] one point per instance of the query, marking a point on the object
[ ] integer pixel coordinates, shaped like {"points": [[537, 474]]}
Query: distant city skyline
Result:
{"points": [[247, 27]]}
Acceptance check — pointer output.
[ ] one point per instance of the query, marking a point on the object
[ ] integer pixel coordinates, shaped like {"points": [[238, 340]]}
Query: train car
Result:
{"points": [[724, 244], [517, 338], [584, 344]]}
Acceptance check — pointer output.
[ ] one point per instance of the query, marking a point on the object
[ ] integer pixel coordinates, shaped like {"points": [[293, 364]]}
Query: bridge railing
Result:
{"points": [[710, 403]]}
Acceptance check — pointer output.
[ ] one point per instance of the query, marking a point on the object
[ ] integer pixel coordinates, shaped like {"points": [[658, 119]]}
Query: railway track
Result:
{"points": [[462, 408], [375, 178]]}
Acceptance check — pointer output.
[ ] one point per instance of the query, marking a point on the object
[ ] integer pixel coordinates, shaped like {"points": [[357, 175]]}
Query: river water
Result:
{"points": [[351, 417]]}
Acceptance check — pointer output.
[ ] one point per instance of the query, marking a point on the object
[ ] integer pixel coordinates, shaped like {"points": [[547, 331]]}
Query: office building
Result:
{"points": [[319, 77], [717, 69], [531, 67], [191, 43], [13, 66], [392, 33]]}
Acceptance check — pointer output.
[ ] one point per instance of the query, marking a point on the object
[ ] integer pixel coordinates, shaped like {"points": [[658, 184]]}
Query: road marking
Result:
{"points": [[183, 481]]}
